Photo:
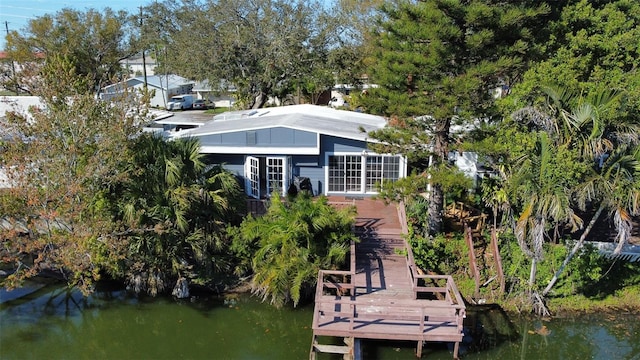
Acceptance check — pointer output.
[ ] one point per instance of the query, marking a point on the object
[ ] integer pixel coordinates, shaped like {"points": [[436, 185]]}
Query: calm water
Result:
{"points": [[53, 323]]}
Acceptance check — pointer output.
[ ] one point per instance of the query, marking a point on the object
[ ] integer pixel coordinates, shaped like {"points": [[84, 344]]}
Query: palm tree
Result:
{"points": [[544, 193], [286, 247], [176, 210], [609, 143], [615, 186]]}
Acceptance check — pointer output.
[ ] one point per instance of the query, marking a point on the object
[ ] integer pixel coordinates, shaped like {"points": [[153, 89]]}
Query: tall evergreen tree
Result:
{"points": [[438, 65]]}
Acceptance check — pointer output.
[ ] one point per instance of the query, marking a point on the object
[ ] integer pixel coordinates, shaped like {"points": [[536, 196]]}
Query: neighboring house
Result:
{"points": [[340, 93], [468, 163], [271, 149], [135, 65], [222, 97], [163, 87]]}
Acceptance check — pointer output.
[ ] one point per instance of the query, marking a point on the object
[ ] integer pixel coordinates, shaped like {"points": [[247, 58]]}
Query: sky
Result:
{"points": [[15, 14]]}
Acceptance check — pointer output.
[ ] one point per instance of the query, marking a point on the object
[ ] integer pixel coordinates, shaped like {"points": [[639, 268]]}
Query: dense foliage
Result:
{"points": [[174, 211], [286, 247], [58, 159], [437, 65], [93, 42], [546, 93], [255, 48]]}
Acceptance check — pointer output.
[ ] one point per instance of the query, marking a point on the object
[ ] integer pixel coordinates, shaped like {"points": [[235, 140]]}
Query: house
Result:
{"points": [[340, 93], [273, 149], [221, 96], [136, 65], [163, 87]]}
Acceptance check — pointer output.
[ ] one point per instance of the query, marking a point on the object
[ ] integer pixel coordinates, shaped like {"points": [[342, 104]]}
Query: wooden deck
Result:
{"points": [[382, 296]]}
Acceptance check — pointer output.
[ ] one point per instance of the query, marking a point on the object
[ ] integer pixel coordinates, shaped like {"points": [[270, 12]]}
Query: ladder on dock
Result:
{"points": [[349, 351]]}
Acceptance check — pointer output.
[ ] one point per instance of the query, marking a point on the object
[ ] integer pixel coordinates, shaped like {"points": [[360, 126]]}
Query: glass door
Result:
{"points": [[252, 176]]}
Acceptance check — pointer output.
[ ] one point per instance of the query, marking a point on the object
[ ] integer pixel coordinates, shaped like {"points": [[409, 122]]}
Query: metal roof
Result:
{"points": [[313, 118]]}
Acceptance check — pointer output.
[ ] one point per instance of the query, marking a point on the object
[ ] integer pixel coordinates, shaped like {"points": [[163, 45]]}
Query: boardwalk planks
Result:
{"points": [[382, 296]]}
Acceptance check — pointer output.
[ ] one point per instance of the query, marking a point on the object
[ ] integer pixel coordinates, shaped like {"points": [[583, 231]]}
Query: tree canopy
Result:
{"points": [[438, 65], [58, 159], [174, 210], [93, 42], [257, 48], [286, 247]]}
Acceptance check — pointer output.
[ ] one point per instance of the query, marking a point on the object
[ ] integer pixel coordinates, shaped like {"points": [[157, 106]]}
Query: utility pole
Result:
{"points": [[13, 66], [144, 60]]}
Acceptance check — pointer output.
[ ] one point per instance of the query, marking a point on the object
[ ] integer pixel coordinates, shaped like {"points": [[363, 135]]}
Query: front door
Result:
{"points": [[264, 175], [252, 177], [276, 175]]}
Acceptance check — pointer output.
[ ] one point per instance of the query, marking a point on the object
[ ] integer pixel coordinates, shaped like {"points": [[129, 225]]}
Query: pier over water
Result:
{"points": [[383, 295]]}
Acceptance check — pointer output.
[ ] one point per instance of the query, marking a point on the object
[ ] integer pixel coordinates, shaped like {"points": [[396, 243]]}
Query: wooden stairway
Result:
{"points": [[348, 350]]}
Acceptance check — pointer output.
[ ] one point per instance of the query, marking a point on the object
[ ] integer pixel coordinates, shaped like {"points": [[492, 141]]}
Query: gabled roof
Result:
{"points": [[313, 118], [223, 85], [156, 81], [162, 81]]}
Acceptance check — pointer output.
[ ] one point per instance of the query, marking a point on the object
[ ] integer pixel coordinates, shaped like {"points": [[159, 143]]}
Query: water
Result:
{"points": [[53, 323]]}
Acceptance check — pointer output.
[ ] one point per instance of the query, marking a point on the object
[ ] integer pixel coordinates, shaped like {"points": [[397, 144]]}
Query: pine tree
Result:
{"points": [[438, 64]]}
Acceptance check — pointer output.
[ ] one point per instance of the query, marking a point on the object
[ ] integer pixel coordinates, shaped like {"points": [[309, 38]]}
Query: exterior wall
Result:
{"points": [[159, 99], [233, 163], [310, 167], [273, 137], [331, 144]]}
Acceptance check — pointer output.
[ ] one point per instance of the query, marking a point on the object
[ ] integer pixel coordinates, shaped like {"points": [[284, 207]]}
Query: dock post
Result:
{"points": [[419, 348], [456, 347]]}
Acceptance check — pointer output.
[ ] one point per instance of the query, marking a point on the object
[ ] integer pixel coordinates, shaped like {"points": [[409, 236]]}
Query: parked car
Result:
{"points": [[200, 104], [180, 102]]}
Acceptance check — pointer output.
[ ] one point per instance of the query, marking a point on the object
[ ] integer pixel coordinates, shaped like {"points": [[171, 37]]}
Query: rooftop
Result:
{"points": [[320, 119]]}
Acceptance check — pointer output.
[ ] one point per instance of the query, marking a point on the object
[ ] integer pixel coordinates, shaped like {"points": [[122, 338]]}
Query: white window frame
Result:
{"points": [[252, 176], [401, 171], [285, 167]]}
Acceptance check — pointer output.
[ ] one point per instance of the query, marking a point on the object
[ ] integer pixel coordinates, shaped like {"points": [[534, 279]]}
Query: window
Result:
{"points": [[275, 174], [336, 173], [347, 174]]}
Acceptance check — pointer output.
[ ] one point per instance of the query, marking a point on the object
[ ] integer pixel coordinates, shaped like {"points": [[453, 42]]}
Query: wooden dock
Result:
{"points": [[383, 296]]}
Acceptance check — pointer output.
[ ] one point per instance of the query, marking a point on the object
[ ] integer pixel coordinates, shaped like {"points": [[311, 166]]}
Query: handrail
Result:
{"points": [[450, 290], [419, 313], [324, 285], [426, 310]]}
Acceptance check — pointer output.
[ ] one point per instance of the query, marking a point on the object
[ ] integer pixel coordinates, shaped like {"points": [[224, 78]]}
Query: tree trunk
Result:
{"points": [[259, 100], [575, 249], [532, 273], [436, 206], [181, 290], [440, 156], [497, 257]]}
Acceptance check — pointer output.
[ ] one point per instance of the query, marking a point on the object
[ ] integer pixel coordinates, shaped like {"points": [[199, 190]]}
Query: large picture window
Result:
{"points": [[361, 173]]}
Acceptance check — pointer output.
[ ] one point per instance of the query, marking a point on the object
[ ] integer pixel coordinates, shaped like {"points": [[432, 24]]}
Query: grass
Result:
{"points": [[218, 110]]}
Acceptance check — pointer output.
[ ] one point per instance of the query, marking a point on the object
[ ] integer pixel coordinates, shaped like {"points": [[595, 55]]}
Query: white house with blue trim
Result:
{"points": [[269, 148]]}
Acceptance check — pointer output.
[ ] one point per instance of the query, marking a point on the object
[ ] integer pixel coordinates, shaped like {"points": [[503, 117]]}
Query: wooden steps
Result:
{"points": [[386, 298], [347, 350]]}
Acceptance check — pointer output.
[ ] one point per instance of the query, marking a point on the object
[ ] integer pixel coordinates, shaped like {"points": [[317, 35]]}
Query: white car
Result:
{"points": [[180, 102]]}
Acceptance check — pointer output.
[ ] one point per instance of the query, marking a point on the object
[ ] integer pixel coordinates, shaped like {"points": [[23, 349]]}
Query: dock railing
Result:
{"points": [[338, 282], [426, 286]]}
